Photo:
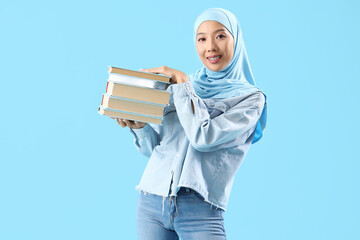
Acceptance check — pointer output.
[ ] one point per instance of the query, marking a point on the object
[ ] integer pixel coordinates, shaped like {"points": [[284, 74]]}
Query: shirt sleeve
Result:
{"points": [[145, 139], [229, 129]]}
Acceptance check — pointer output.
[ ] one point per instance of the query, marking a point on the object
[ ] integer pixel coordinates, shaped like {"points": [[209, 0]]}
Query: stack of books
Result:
{"points": [[135, 95]]}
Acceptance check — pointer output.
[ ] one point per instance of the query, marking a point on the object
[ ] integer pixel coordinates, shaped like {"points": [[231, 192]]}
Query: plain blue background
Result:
{"points": [[67, 172]]}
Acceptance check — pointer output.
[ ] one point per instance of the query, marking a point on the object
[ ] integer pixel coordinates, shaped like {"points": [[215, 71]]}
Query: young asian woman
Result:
{"points": [[213, 117]]}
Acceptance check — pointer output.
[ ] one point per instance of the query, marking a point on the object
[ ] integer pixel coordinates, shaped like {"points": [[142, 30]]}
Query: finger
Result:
{"points": [[136, 124], [121, 122], [139, 124], [128, 123], [144, 70], [162, 70]]}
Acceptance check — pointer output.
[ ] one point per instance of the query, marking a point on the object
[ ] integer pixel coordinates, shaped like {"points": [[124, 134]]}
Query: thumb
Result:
{"points": [[139, 124]]}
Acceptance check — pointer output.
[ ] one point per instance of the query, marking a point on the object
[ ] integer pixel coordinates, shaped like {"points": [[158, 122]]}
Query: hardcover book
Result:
{"points": [[129, 105], [127, 115], [139, 74], [138, 93], [135, 95]]}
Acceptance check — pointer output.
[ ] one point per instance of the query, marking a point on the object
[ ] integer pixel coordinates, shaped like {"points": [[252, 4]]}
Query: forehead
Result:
{"points": [[210, 26]]}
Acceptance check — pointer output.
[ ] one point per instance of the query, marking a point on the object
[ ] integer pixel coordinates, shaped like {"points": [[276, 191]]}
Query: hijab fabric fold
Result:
{"points": [[236, 79]]}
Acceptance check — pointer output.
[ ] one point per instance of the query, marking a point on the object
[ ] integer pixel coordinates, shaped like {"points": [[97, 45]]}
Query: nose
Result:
{"points": [[211, 45]]}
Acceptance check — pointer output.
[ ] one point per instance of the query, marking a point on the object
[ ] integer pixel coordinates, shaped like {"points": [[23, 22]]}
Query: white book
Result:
{"points": [[137, 82]]}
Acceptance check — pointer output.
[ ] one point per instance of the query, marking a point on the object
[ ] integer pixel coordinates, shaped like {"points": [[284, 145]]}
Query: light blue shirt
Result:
{"points": [[200, 144]]}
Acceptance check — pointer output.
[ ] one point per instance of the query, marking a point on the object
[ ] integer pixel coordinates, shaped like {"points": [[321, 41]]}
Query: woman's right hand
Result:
{"points": [[128, 123]]}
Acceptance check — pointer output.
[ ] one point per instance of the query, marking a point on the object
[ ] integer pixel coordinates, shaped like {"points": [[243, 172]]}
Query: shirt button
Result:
{"points": [[177, 155]]}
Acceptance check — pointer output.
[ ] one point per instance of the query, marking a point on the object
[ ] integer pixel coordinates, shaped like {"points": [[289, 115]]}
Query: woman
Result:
{"points": [[213, 117]]}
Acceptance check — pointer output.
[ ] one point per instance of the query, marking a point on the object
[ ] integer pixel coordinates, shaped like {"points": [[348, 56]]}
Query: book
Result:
{"points": [[128, 115], [137, 82], [129, 105], [139, 74], [137, 93]]}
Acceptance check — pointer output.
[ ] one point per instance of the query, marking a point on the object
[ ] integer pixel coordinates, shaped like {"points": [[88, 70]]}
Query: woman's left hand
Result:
{"points": [[176, 75]]}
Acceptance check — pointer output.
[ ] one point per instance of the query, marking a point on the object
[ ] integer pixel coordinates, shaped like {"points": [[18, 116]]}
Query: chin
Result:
{"points": [[215, 69]]}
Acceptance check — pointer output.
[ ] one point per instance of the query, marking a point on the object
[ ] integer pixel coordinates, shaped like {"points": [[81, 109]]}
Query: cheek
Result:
{"points": [[231, 53], [230, 50], [199, 51]]}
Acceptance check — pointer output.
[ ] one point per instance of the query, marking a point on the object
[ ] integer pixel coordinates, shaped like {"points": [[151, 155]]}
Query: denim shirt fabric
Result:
{"points": [[200, 144]]}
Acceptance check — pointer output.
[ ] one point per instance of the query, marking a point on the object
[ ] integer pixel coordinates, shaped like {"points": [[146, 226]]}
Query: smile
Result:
{"points": [[214, 59]]}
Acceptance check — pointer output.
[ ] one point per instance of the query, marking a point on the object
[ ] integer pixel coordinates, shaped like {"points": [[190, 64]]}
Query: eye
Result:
{"points": [[221, 36], [201, 39]]}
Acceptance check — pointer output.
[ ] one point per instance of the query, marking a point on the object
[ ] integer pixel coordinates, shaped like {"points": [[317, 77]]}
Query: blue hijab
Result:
{"points": [[236, 78]]}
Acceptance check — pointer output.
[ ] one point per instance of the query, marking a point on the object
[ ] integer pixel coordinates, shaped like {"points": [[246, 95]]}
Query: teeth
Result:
{"points": [[212, 59]]}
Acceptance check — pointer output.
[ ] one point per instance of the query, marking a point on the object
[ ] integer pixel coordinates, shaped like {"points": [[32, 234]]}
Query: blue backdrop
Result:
{"points": [[67, 172]]}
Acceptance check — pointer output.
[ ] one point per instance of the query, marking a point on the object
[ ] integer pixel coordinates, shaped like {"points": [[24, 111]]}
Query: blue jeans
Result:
{"points": [[186, 216]]}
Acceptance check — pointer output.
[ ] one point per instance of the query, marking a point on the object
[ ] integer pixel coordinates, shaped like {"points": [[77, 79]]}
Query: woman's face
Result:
{"points": [[215, 45]]}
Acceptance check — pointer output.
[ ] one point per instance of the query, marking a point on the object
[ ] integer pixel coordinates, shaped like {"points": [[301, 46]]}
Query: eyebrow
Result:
{"points": [[219, 30]]}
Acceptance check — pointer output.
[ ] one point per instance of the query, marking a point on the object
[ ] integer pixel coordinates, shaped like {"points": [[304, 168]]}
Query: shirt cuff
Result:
{"points": [[181, 90], [141, 132]]}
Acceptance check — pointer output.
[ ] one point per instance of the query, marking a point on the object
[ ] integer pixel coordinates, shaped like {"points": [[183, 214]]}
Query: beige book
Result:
{"points": [[123, 115], [127, 105], [137, 93], [139, 74]]}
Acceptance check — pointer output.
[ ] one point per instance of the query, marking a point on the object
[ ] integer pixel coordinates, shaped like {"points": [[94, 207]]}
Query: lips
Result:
{"points": [[214, 58]]}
